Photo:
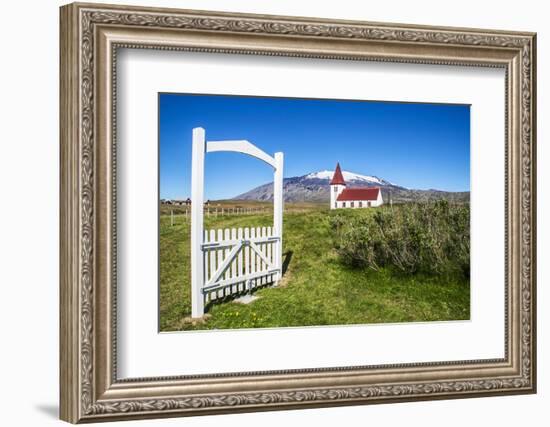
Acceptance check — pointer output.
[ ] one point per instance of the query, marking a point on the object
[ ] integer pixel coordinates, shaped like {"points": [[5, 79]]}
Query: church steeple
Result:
{"points": [[337, 185], [338, 178]]}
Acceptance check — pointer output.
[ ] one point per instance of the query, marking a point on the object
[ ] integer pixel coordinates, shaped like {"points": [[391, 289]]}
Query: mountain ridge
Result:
{"points": [[315, 187]]}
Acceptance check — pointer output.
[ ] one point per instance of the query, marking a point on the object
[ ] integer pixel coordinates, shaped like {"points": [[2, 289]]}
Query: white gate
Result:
{"points": [[237, 260]]}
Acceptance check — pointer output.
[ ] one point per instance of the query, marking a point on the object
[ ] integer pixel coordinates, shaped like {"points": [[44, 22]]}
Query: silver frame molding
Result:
{"points": [[90, 37]]}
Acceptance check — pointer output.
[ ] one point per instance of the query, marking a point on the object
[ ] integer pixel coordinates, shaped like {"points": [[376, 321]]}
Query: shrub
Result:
{"points": [[421, 237]]}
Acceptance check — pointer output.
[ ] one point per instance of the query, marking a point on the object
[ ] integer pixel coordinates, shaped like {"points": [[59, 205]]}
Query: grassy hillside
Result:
{"points": [[317, 287]]}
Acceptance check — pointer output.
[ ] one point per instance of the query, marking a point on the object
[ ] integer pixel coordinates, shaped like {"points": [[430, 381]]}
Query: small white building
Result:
{"points": [[360, 197]]}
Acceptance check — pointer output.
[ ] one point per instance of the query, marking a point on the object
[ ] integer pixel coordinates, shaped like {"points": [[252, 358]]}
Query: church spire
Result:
{"points": [[338, 178]]}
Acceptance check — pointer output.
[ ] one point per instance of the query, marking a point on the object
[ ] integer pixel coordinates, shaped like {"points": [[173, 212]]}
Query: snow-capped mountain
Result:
{"points": [[315, 187], [349, 177]]}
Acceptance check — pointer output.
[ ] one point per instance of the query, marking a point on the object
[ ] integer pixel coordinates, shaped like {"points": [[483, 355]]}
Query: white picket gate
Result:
{"points": [[238, 260], [232, 261]]}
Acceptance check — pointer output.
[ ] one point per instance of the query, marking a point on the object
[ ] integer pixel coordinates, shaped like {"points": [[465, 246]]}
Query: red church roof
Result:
{"points": [[338, 178], [353, 194]]}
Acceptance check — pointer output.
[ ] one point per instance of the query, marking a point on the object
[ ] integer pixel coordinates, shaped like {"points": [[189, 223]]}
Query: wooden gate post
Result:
{"points": [[197, 202], [278, 210]]}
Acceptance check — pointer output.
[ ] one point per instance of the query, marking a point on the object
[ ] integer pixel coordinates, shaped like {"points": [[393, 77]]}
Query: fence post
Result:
{"points": [[171, 217], [197, 211], [278, 207]]}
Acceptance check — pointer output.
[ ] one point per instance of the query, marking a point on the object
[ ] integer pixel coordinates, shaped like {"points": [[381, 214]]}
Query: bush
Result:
{"points": [[421, 237]]}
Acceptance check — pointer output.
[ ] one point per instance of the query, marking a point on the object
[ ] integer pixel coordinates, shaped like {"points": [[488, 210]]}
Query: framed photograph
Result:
{"points": [[267, 212]]}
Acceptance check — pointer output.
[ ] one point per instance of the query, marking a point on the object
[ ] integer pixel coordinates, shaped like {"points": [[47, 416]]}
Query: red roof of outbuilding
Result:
{"points": [[353, 194], [338, 178]]}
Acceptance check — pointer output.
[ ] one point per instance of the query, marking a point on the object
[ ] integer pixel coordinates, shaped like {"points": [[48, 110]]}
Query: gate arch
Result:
{"points": [[199, 284]]}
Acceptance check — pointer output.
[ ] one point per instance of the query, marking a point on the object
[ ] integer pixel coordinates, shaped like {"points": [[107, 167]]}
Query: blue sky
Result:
{"points": [[417, 146]]}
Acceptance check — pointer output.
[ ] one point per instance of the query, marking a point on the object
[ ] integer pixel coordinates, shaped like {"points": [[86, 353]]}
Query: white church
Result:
{"points": [[360, 197]]}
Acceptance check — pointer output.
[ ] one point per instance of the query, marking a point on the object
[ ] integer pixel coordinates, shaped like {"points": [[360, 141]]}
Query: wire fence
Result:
{"points": [[185, 214]]}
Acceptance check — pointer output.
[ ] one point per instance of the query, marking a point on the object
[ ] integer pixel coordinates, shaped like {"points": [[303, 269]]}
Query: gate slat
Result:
{"points": [[225, 252], [247, 257], [263, 249], [258, 258], [234, 263], [268, 251], [206, 271], [220, 260], [274, 252], [252, 258], [206, 254], [240, 257], [207, 263], [268, 255], [259, 264], [227, 274], [212, 258]]}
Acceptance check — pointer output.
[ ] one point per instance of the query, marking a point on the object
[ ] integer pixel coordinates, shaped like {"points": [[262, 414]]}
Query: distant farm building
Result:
{"points": [[175, 202], [342, 197]]}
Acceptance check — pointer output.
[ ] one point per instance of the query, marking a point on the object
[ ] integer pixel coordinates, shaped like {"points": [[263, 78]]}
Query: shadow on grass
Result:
{"points": [[286, 262]]}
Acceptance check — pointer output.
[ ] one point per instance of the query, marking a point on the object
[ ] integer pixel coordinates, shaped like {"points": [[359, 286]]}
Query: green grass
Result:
{"points": [[317, 289]]}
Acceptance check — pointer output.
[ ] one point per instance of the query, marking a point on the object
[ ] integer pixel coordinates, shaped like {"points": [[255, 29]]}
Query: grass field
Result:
{"points": [[317, 288]]}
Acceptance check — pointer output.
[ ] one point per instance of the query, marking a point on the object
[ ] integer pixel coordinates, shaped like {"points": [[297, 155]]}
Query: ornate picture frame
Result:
{"points": [[90, 37]]}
